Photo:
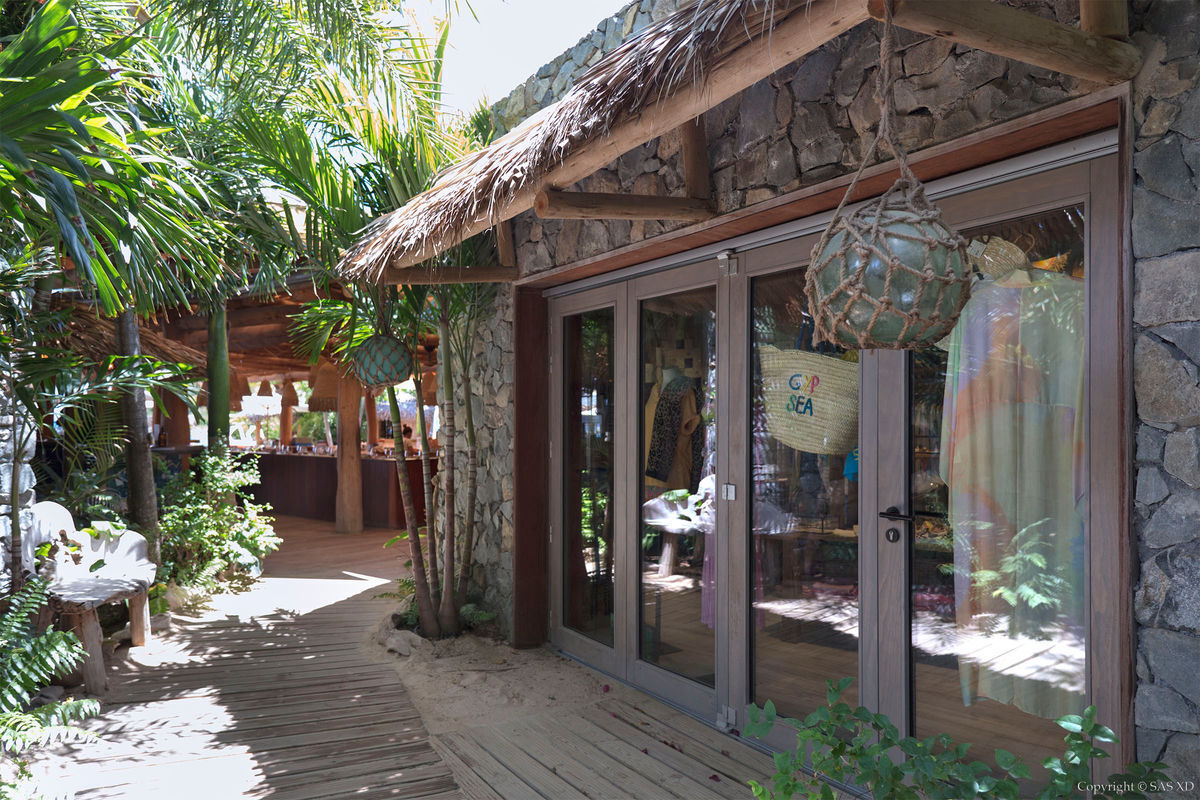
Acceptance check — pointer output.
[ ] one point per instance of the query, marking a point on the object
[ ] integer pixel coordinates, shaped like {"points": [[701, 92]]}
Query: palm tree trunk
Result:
{"points": [[218, 378], [425, 609], [448, 612], [139, 468], [427, 481]]}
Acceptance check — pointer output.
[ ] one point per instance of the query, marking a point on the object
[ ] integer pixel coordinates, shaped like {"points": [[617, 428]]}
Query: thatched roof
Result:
{"points": [[96, 337], [667, 55]]}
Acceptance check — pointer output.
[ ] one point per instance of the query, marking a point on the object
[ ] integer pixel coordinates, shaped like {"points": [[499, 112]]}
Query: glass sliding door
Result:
{"points": [[1000, 497], [677, 519], [589, 397], [803, 527]]}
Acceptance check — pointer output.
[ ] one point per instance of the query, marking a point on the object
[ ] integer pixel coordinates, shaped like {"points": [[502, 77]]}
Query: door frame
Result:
{"points": [[979, 196]]}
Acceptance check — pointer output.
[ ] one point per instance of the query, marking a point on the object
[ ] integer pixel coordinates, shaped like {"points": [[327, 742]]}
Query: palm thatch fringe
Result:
{"points": [[96, 338], [671, 53]]}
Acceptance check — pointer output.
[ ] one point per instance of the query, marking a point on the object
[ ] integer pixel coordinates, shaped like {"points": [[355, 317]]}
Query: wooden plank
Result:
{"points": [[470, 783], [493, 772], [765, 52], [1019, 35], [541, 779], [550, 204], [1060, 123], [550, 753]]}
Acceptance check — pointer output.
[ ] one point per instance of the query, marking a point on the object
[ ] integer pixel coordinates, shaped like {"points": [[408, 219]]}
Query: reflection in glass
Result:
{"points": [[588, 482], [999, 491], [804, 510], [677, 463]]}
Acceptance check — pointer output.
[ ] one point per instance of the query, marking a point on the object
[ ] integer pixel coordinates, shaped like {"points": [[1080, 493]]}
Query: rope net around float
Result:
{"points": [[851, 244]]}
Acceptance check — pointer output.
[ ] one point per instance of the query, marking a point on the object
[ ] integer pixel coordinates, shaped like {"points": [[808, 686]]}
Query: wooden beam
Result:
{"points": [[1019, 35], [348, 513], [592, 205], [178, 425], [419, 275], [694, 152], [1104, 18], [372, 420], [285, 425], [1069, 120], [799, 34], [506, 249]]}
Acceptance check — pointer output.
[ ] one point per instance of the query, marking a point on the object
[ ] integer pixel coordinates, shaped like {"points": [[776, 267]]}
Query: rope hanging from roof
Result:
{"points": [[892, 274]]}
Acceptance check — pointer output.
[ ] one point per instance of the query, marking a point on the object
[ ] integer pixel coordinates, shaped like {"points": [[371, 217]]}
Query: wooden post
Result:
{"points": [[218, 378], [87, 627], [139, 620], [285, 426], [1104, 18], [179, 429], [349, 511], [142, 496], [372, 420], [694, 149], [506, 248], [1018, 35]]}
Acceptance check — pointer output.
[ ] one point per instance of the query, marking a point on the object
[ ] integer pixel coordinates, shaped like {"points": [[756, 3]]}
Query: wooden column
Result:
{"points": [[349, 509], [285, 425], [531, 471], [372, 419], [86, 626], [179, 429], [218, 378]]}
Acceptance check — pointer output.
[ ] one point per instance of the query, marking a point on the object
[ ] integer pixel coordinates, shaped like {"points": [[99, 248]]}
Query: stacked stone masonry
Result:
{"points": [[810, 122]]}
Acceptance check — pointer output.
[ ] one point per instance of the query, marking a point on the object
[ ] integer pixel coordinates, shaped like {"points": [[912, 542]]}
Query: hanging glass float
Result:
{"points": [[893, 274], [383, 361]]}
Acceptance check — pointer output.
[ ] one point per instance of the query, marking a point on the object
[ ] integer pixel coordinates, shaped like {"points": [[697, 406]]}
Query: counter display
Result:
{"points": [[306, 486]]}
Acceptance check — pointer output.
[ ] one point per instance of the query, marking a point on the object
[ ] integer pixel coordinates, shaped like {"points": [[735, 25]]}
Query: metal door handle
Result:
{"points": [[894, 514]]}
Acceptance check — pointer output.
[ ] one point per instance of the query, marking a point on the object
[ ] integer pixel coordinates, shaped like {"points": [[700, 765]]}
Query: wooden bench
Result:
{"points": [[77, 588]]}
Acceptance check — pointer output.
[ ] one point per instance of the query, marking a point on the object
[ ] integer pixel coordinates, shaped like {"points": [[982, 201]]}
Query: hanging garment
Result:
{"points": [[1012, 454], [674, 436]]}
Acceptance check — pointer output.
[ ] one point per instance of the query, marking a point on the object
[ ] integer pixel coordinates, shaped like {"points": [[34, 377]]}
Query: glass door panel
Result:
{"points": [[999, 496], [677, 375], [588, 515], [804, 533]]}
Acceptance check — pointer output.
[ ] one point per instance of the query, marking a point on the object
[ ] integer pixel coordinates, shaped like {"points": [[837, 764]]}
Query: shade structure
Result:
{"points": [[324, 388], [287, 393]]}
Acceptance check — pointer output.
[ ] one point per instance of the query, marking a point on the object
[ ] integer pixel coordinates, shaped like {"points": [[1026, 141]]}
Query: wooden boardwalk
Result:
{"points": [[279, 692], [273, 694]]}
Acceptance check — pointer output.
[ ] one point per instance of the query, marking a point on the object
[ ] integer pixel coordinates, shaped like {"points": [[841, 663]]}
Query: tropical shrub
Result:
{"points": [[855, 746], [210, 524], [29, 661]]}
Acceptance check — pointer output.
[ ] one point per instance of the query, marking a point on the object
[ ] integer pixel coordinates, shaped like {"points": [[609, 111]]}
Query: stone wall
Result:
{"points": [[807, 123], [1166, 314], [492, 578]]}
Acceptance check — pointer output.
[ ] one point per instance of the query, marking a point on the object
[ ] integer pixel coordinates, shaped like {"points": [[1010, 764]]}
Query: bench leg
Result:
{"points": [[87, 627], [139, 619]]}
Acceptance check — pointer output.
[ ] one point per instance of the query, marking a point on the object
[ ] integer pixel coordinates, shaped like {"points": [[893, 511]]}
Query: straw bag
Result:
{"points": [[811, 400]]}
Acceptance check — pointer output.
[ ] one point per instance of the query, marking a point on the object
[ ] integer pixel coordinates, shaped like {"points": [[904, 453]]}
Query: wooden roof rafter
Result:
{"points": [[504, 179]]}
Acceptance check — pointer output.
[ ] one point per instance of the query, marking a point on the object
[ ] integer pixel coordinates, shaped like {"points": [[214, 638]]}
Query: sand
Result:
{"points": [[471, 680]]}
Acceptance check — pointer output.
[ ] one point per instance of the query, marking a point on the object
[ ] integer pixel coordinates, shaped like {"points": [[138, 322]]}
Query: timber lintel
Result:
{"points": [[550, 204]]}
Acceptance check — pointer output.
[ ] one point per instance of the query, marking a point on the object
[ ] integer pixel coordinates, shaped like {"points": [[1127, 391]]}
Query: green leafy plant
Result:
{"points": [[29, 661], [857, 746], [210, 525], [472, 616]]}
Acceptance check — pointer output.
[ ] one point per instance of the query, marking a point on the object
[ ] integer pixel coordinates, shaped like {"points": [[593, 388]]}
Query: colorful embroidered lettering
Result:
{"points": [[804, 383]]}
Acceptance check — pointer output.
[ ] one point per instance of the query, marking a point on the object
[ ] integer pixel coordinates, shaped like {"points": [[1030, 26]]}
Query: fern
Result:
{"points": [[29, 661]]}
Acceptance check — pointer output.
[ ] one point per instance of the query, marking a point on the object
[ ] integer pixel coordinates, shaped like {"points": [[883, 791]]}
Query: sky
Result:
{"points": [[508, 43]]}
